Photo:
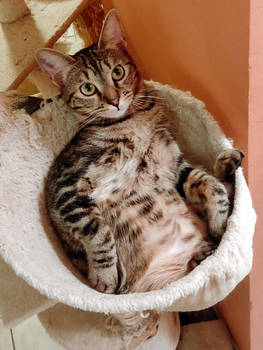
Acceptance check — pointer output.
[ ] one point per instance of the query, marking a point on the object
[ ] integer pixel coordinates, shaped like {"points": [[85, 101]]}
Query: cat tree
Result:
{"points": [[36, 276]]}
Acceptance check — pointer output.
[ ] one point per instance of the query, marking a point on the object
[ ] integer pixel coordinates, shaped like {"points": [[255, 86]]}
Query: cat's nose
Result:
{"points": [[114, 102]]}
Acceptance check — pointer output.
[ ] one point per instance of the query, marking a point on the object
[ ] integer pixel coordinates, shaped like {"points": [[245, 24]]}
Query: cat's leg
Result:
{"points": [[14, 101], [208, 196], [225, 167], [95, 237], [102, 262]]}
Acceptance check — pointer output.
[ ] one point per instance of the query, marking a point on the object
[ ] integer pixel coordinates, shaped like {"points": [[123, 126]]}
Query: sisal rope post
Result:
{"points": [[89, 23]]}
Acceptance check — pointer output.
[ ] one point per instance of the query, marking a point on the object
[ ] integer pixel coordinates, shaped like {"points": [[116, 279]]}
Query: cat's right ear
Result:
{"points": [[111, 35], [55, 64]]}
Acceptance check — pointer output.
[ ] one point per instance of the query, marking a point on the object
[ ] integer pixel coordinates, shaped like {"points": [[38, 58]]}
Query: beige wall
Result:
{"points": [[203, 46]]}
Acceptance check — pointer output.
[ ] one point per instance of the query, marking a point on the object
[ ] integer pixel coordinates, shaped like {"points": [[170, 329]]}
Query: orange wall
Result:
{"points": [[255, 168], [200, 46]]}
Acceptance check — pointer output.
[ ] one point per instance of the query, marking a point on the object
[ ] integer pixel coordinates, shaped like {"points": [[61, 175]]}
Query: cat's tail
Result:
{"points": [[134, 327], [140, 326], [12, 101]]}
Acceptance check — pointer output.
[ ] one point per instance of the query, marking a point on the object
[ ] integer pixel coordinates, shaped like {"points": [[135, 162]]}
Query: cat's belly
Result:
{"points": [[152, 225], [167, 225], [168, 243], [153, 207], [168, 233]]}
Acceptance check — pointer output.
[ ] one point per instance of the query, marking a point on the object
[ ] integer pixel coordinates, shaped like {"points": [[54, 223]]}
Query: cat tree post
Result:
{"points": [[46, 22], [12, 10]]}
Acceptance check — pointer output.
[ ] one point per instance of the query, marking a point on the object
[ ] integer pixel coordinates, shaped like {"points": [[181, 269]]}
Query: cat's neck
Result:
{"points": [[138, 127]]}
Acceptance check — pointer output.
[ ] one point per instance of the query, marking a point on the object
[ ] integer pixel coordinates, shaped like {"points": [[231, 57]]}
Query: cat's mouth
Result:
{"points": [[121, 109], [117, 113]]}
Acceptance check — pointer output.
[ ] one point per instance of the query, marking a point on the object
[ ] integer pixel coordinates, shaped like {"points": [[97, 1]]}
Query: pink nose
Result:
{"points": [[115, 102]]}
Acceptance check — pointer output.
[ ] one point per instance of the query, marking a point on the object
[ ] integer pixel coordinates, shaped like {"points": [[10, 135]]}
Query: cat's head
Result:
{"points": [[99, 82]]}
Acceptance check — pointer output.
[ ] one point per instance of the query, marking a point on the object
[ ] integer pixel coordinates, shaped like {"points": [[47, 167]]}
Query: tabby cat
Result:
{"points": [[133, 215]]}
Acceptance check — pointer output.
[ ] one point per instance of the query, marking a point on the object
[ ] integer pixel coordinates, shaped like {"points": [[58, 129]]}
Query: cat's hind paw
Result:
{"points": [[227, 163], [209, 198]]}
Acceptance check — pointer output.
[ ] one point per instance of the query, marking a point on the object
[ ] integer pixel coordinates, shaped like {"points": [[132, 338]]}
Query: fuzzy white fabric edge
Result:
{"points": [[27, 243], [79, 330]]}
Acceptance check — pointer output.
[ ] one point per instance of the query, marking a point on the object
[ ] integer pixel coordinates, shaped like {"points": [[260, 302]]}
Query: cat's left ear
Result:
{"points": [[55, 64], [111, 35]]}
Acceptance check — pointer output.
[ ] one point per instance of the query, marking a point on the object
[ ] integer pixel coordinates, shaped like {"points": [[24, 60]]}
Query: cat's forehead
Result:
{"points": [[100, 62]]}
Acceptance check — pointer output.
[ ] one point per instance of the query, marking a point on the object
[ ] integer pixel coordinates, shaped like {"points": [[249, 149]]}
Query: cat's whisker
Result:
{"points": [[141, 102], [151, 96], [89, 118], [146, 98], [128, 95], [148, 92], [99, 109]]}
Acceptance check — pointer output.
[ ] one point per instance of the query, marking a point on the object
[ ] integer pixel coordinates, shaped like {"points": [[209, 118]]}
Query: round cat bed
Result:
{"points": [[29, 245]]}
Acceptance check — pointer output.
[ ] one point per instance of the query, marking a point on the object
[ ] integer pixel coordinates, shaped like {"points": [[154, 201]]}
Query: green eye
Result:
{"points": [[88, 89], [118, 73]]}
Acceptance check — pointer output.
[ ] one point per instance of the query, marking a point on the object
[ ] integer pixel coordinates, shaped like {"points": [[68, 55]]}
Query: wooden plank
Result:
{"points": [[19, 40]]}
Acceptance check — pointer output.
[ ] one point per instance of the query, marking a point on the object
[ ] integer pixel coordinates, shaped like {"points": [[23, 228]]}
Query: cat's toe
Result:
{"points": [[103, 285], [217, 229], [206, 249], [227, 163]]}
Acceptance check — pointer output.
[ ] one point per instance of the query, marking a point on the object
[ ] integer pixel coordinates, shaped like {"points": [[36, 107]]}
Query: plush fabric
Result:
{"points": [[80, 330], [28, 144], [18, 300]]}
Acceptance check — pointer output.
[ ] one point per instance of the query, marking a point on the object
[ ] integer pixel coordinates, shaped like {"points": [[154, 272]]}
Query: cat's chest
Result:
{"points": [[135, 164]]}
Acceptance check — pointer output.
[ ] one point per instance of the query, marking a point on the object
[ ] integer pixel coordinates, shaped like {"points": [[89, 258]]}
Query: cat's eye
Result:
{"points": [[88, 89], [118, 73]]}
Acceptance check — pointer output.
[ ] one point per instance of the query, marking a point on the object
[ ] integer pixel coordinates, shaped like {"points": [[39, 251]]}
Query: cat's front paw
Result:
{"points": [[103, 286], [106, 282], [227, 163]]}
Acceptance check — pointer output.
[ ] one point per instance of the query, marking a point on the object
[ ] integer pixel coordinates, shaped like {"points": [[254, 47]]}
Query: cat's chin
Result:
{"points": [[116, 114]]}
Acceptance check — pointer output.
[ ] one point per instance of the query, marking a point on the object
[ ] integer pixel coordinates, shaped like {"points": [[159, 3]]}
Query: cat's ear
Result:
{"points": [[55, 64], [111, 35]]}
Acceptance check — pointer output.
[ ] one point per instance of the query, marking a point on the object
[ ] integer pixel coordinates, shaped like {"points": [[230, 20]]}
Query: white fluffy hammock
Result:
{"points": [[28, 145]]}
